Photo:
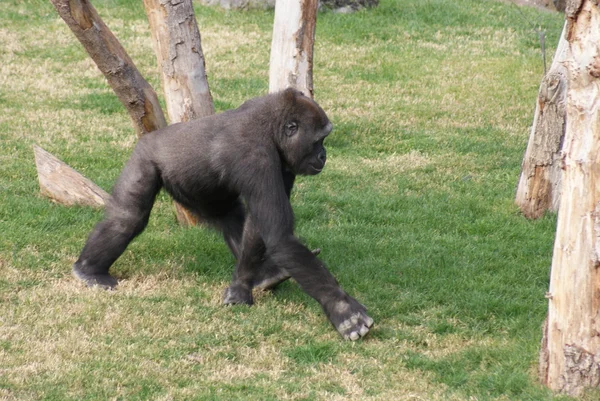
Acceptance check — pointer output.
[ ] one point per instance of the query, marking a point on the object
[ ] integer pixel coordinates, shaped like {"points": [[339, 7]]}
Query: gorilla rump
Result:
{"points": [[235, 171]]}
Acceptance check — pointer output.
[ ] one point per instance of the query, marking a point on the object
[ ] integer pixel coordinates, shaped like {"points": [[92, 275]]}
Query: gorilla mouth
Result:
{"points": [[317, 169]]}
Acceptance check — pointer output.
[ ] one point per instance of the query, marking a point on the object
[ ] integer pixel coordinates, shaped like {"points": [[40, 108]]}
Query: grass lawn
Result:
{"points": [[431, 100]]}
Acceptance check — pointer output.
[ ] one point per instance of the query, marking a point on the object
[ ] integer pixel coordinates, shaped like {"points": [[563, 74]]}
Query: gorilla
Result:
{"points": [[234, 171]]}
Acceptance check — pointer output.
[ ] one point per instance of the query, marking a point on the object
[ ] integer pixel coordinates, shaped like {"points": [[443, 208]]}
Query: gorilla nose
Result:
{"points": [[323, 156]]}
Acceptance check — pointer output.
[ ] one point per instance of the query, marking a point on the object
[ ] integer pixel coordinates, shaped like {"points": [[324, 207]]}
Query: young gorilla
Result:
{"points": [[234, 170]]}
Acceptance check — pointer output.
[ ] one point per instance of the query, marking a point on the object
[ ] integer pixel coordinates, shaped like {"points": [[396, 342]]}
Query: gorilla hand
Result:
{"points": [[349, 317]]}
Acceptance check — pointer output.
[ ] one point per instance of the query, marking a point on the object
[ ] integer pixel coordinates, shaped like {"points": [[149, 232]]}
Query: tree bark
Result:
{"points": [[131, 88], [539, 184], [292, 46], [572, 338], [178, 49], [63, 184]]}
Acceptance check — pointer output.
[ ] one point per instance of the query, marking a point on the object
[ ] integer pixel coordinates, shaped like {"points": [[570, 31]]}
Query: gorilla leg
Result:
{"points": [[269, 275], [232, 227], [249, 252], [256, 270], [253, 268], [126, 216]]}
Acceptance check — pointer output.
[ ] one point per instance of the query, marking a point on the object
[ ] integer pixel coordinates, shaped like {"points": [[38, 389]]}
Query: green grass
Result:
{"points": [[431, 101]]}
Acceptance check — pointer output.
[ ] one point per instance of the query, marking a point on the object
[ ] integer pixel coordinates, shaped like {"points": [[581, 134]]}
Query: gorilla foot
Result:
{"points": [[105, 281], [350, 319], [237, 294]]}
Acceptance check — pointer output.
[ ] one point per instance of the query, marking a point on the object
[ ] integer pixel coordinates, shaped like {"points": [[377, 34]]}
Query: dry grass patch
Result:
{"points": [[59, 330]]}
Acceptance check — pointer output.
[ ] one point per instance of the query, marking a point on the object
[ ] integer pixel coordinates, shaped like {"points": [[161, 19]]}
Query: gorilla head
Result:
{"points": [[305, 128]]}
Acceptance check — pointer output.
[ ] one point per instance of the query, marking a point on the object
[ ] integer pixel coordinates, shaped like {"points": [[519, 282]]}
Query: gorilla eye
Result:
{"points": [[292, 127]]}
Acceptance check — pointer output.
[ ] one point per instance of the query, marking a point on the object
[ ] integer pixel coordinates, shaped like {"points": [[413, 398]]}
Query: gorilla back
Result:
{"points": [[235, 171]]}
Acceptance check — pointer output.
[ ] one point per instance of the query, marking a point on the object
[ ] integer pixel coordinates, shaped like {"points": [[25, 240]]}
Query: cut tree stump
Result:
{"points": [[65, 185]]}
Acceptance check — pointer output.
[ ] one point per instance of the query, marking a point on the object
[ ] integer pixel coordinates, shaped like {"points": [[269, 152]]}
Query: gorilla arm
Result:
{"points": [[270, 208]]}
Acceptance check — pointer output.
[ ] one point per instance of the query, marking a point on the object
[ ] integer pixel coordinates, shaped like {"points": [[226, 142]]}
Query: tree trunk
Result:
{"points": [[65, 185], [178, 49], [292, 46], [572, 339], [539, 185], [131, 88]]}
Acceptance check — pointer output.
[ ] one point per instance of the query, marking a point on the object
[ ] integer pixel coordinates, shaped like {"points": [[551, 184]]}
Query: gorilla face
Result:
{"points": [[305, 131], [316, 156]]}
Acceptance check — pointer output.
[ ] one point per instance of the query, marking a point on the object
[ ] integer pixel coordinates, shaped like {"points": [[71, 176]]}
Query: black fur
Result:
{"points": [[235, 171]]}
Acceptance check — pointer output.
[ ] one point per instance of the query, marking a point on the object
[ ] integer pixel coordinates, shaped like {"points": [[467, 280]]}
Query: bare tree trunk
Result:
{"points": [[131, 88], [572, 339], [292, 46], [176, 40], [178, 49], [539, 184], [65, 185]]}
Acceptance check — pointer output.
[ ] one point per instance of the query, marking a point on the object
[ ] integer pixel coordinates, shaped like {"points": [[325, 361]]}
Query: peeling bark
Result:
{"points": [[292, 46], [539, 184], [573, 336], [131, 88], [63, 184], [178, 49]]}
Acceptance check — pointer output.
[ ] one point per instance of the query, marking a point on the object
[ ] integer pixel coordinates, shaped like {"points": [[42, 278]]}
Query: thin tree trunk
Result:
{"points": [[539, 184], [178, 49], [572, 338], [65, 185], [292, 46], [131, 88]]}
